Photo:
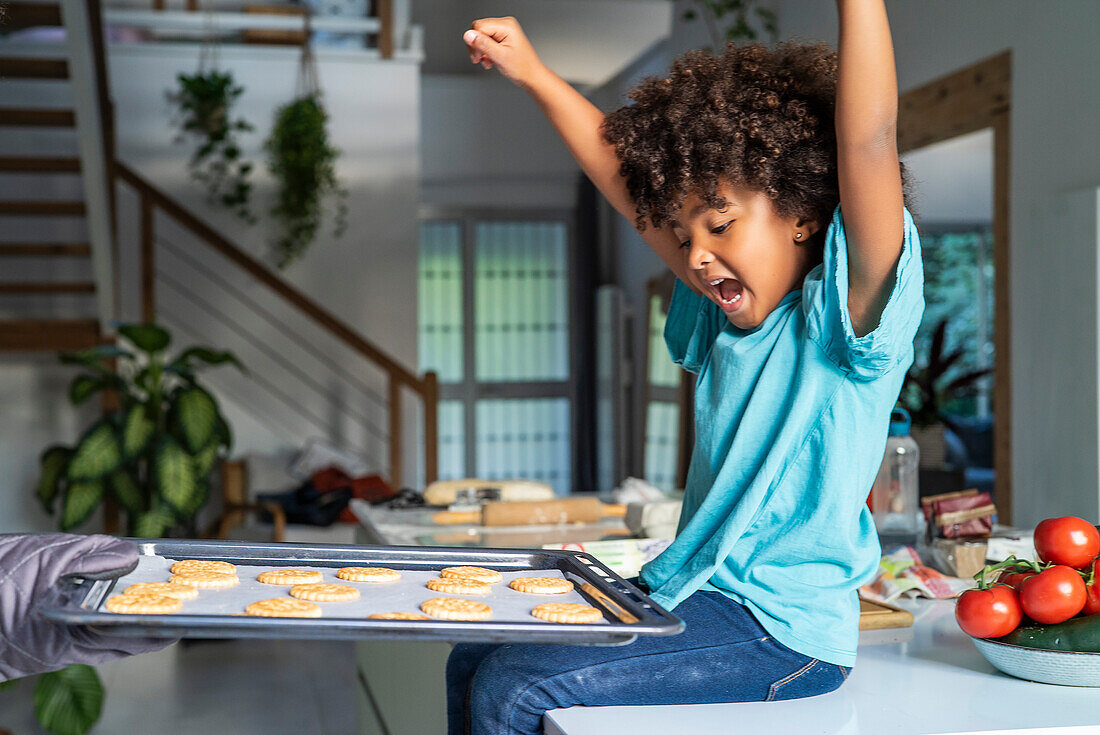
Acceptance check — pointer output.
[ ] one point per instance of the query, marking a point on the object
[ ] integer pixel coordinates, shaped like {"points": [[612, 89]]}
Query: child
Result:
{"points": [[799, 323]]}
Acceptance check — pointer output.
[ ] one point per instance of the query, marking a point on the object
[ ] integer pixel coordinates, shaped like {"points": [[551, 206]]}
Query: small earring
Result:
{"points": [[798, 236]]}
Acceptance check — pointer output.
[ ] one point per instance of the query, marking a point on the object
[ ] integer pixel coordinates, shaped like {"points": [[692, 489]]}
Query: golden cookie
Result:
{"points": [[541, 585], [459, 586], [397, 616], [290, 576], [324, 592], [567, 612], [368, 574], [481, 574], [452, 608], [283, 607], [188, 566], [179, 590], [206, 580], [143, 604]]}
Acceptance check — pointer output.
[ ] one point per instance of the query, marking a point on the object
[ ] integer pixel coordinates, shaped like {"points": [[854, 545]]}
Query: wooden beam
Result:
{"points": [[50, 287], [958, 103], [148, 262], [21, 15], [431, 427], [385, 33], [1002, 315], [45, 250], [37, 118], [395, 434], [51, 335], [42, 208], [22, 67], [39, 164]]}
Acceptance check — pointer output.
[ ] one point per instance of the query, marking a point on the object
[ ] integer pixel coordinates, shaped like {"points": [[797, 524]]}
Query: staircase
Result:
{"points": [[50, 296]]}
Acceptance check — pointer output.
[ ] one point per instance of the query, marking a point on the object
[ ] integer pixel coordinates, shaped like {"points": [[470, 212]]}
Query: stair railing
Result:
{"points": [[426, 387]]}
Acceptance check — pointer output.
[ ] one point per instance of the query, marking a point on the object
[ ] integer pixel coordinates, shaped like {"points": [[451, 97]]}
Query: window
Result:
{"points": [[494, 321]]}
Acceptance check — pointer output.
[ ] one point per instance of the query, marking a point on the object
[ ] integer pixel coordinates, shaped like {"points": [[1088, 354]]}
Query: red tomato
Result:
{"points": [[1013, 579], [1067, 540], [1054, 595], [989, 613], [1092, 591]]}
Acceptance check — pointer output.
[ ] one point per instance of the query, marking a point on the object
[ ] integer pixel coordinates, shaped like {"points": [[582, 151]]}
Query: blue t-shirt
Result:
{"points": [[791, 420]]}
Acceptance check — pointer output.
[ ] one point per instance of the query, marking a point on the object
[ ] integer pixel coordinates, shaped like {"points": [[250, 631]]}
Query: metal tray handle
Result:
{"points": [[608, 604]]}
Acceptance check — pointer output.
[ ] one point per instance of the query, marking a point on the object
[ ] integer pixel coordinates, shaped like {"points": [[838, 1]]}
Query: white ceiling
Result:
{"points": [[585, 41]]}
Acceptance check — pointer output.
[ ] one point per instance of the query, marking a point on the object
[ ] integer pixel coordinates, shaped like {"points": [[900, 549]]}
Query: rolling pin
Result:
{"points": [[533, 512]]}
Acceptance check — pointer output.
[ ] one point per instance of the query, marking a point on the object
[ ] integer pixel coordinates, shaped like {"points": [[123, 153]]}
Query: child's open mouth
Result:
{"points": [[729, 291]]}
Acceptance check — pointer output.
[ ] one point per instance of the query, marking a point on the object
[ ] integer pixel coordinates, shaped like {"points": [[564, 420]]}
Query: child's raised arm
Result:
{"points": [[867, 158], [501, 42]]}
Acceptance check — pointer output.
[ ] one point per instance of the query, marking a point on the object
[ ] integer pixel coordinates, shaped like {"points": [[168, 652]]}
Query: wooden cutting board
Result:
{"points": [[878, 615]]}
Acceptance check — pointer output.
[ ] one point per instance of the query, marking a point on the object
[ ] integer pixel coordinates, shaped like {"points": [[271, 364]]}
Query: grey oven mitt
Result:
{"points": [[30, 564]]}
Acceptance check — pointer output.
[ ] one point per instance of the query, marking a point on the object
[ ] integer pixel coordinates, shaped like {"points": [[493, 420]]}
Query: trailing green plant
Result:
{"points": [[926, 390], [734, 20], [156, 452], [303, 160], [203, 103]]}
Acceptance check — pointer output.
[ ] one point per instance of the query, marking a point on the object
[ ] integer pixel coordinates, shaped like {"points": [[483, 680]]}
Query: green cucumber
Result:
{"points": [[1076, 634]]}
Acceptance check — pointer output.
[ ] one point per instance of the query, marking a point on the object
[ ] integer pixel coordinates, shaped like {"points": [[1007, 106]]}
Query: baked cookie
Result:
{"points": [[368, 574], [458, 586], [542, 585], [143, 604], [567, 612], [202, 565], [322, 592], [179, 590], [206, 580], [397, 616], [283, 607], [490, 576], [452, 608], [290, 576]]}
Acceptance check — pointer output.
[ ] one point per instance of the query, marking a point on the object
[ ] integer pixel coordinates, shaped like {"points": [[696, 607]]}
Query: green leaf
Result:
{"points": [[8, 684], [95, 358], [97, 454], [225, 432], [148, 337], [69, 701], [126, 491], [54, 461], [206, 458], [84, 387], [137, 431], [154, 522], [198, 499], [207, 355], [174, 476], [195, 418], [81, 499]]}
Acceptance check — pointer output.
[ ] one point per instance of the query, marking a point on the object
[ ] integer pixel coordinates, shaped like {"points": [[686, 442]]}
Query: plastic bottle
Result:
{"points": [[895, 497]]}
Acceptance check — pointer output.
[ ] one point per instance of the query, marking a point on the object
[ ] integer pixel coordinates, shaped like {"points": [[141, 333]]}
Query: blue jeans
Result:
{"points": [[723, 655]]}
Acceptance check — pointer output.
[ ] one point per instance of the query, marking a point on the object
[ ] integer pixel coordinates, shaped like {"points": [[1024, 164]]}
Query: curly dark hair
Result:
{"points": [[755, 117]]}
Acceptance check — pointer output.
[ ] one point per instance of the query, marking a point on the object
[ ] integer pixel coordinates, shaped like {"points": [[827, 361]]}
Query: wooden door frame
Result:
{"points": [[965, 101]]}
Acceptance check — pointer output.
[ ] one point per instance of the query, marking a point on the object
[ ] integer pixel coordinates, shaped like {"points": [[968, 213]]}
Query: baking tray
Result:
{"points": [[628, 612]]}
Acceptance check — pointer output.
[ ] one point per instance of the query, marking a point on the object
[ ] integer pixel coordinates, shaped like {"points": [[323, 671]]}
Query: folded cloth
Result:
{"points": [[901, 572]]}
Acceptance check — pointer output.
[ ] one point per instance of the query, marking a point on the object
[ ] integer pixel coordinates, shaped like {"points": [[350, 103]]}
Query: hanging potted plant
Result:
{"points": [[203, 112], [303, 161], [926, 392]]}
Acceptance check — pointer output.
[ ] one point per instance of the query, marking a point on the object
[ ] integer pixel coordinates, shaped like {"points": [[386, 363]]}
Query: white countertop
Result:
{"points": [[929, 680]]}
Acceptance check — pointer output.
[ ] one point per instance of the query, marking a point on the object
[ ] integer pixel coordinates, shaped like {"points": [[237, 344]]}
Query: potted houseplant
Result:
{"points": [[203, 104], [927, 390], [155, 453]]}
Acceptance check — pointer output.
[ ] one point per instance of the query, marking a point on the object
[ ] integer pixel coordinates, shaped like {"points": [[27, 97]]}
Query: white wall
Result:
{"points": [[484, 143], [1054, 132]]}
